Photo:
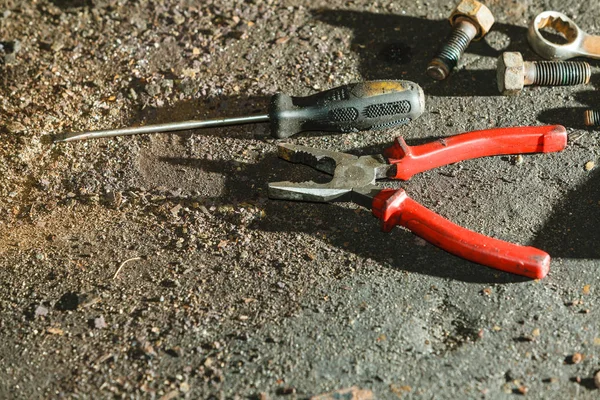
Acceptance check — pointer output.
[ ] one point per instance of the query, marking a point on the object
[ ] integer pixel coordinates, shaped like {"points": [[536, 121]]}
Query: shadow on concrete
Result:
{"points": [[400, 47], [572, 117], [572, 229], [68, 4], [351, 229]]}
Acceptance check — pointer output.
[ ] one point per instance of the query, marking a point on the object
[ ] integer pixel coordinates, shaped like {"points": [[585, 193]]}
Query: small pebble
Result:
{"points": [[589, 165], [148, 349], [522, 390], [133, 94], [184, 387], [597, 379], [286, 390], [41, 311], [99, 323], [356, 393], [179, 19], [55, 331], [586, 289], [576, 358], [518, 159], [10, 50], [44, 184], [152, 89]]}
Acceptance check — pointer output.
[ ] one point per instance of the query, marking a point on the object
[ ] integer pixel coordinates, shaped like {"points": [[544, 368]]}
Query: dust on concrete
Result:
{"points": [[228, 294]]}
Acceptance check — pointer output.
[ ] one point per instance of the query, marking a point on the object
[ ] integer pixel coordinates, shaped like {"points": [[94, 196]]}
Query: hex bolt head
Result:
{"points": [[477, 13], [510, 73]]}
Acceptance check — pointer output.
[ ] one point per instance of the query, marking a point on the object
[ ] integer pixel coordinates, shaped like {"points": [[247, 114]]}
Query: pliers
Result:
{"points": [[354, 179]]}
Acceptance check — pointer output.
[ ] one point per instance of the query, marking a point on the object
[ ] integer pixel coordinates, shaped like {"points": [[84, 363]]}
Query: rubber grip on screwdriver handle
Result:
{"points": [[349, 108], [410, 160], [394, 207]]}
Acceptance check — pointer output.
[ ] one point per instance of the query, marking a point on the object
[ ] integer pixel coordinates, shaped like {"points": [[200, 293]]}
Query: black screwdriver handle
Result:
{"points": [[349, 108]]}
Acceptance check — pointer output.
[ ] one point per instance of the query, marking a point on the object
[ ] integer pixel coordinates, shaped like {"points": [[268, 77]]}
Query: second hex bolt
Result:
{"points": [[513, 73]]}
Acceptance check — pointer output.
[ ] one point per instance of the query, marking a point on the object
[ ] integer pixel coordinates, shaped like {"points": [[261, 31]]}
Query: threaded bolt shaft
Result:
{"points": [[592, 117], [557, 73], [447, 58]]}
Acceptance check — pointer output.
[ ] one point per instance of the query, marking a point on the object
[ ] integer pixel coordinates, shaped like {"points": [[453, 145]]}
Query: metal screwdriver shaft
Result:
{"points": [[349, 108], [168, 127]]}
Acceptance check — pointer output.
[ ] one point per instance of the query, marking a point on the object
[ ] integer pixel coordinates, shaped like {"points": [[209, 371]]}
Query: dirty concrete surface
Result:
{"points": [[222, 293]]}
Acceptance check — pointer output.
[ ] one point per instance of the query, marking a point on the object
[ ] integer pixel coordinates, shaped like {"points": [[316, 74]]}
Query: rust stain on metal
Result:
{"points": [[285, 153]]}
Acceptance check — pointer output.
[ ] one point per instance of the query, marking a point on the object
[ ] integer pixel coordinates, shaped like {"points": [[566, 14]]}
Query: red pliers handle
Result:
{"points": [[396, 208], [411, 160]]}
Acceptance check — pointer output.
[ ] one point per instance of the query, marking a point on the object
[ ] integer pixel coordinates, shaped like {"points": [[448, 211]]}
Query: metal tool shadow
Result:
{"points": [[572, 117], [68, 4], [572, 229], [400, 47], [348, 229]]}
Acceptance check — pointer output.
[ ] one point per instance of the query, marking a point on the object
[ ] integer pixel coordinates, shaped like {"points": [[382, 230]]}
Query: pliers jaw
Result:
{"points": [[363, 196], [353, 177], [308, 191]]}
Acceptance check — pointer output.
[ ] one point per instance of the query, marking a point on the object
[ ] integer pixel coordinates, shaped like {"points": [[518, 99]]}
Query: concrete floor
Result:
{"points": [[223, 293]]}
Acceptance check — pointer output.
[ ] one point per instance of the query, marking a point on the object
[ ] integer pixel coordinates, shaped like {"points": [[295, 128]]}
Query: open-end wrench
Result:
{"points": [[579, 43]]}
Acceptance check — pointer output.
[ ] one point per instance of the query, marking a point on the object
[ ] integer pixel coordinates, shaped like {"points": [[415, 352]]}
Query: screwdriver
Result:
{"points": [[350, 108]]}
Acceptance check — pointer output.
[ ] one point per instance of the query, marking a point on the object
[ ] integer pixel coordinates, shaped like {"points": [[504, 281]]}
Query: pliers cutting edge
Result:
{"points": [[354, 180]]}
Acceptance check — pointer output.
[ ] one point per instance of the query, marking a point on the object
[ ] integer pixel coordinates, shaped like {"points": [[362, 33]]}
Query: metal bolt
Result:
{"points": [[592, 117], [513, 73], [470, 21], [441, 65]]}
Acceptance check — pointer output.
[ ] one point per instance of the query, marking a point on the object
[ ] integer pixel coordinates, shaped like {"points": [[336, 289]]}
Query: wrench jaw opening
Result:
{"points": [[560, 24], [575, 37]]}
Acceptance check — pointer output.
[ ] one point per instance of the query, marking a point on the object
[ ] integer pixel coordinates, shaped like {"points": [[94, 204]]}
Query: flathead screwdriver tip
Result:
{"points": [[68, 137], [58, 138]]}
